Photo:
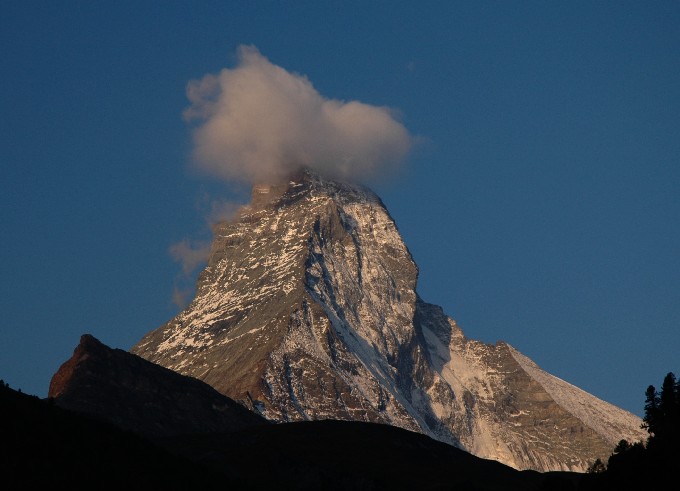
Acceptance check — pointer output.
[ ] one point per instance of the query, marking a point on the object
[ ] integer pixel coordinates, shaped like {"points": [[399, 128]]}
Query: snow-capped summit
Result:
{"points": [[307, 309]]}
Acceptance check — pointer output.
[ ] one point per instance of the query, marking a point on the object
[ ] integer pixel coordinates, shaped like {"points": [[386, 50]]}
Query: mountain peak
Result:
{"points": [[308, 309], [60, 380], [308, 181]]}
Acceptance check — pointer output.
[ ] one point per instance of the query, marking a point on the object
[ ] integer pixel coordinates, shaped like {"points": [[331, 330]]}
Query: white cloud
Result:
{"points": [[258, 122]]}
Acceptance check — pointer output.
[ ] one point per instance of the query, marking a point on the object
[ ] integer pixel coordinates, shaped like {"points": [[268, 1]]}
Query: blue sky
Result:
{"points": [[542, 203]]}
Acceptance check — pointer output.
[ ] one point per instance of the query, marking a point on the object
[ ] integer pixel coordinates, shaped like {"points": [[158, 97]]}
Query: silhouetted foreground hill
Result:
{"points": [[117, 420], [339, 455], [42, 445]]}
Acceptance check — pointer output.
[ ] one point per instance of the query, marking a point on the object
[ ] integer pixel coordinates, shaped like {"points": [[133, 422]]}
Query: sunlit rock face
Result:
{"points": [[308, 309]]}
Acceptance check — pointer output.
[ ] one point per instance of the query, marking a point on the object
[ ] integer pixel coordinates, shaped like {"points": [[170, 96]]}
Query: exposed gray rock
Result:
{"points": [[308, 310]]}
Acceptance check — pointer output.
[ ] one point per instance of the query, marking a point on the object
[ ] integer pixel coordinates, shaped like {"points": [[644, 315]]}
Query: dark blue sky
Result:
{"points": [[542, 204]]}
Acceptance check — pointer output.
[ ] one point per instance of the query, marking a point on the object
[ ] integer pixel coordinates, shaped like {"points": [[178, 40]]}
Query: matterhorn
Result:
{"points": [[308, 310]]}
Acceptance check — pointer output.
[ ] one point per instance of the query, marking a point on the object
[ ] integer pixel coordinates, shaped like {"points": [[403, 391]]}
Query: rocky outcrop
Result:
{"points": [[136, 395], [308, 310]]}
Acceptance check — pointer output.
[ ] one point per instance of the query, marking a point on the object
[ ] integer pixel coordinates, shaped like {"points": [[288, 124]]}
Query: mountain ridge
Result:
{"points": [[136, 395], [308, 307]]}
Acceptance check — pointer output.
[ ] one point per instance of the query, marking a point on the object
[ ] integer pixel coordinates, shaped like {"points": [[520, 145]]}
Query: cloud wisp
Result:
{"points": [[190, 254], [194, 254], [257, 122]]}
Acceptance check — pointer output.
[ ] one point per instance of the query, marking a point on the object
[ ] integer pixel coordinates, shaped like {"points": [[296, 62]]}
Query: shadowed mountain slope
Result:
{"points": [[134, 394]]}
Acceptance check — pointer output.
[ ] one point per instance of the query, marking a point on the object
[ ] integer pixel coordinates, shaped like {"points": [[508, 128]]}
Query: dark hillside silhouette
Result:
{"points": [[646, 465], [42, 445]]}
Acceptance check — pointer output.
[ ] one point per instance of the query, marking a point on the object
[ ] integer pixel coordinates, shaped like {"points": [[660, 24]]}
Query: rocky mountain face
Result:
{"points": [[136, 395], [308, 310]]}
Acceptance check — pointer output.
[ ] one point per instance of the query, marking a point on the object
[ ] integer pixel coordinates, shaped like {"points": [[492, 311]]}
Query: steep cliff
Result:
{"points": [[308, 310]]}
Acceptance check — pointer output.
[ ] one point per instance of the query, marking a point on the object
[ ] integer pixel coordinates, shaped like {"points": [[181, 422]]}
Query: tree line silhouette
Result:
{"points": [[643, 465]]}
